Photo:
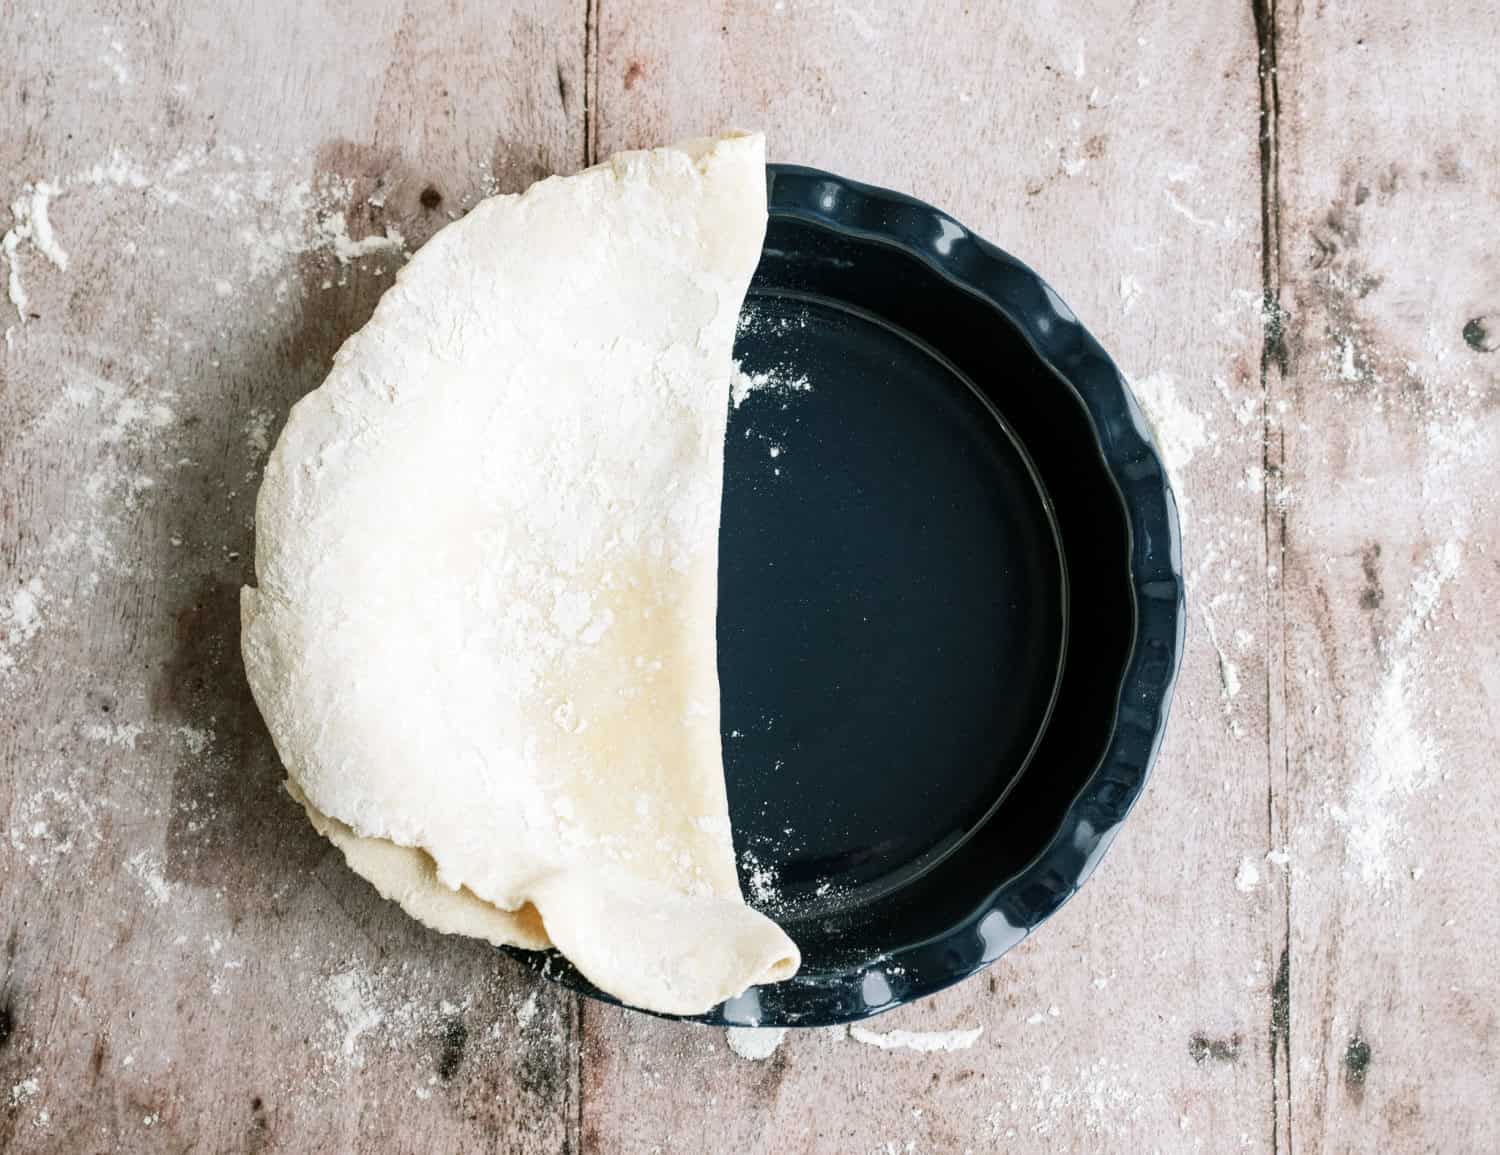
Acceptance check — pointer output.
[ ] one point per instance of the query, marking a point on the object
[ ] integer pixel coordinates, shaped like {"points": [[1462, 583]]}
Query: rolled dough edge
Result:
{"points": [[407, 876], [704, 936]]}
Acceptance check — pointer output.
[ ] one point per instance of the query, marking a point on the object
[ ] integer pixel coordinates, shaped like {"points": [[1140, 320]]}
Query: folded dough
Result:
{"points": [[483, 635]]}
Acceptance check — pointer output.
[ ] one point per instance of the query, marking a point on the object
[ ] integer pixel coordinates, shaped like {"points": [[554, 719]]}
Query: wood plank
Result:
{"points": [[1390, 175], [1124, 165], [187, 966]]}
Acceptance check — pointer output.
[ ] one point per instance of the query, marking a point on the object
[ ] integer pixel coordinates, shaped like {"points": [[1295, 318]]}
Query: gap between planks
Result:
{"points": [[1273, 381], [573, 1140], [590, 82]]}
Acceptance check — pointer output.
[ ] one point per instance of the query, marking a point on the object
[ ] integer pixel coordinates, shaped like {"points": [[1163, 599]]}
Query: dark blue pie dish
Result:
{"points": [[950, 602]]}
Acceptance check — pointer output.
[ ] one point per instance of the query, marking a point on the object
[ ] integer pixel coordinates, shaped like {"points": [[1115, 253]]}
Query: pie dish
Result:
{"points": [[950, 602]]}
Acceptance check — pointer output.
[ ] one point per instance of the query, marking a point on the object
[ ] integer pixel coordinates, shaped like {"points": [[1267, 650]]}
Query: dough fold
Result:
{"points": [[483, 630]]}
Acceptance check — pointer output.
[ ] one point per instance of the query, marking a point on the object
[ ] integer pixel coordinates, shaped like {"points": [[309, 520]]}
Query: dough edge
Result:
{"points": [[711, 936]]}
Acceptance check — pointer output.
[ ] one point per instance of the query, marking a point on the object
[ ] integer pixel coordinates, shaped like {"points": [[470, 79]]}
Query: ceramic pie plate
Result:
{"points": [[950, 602]]}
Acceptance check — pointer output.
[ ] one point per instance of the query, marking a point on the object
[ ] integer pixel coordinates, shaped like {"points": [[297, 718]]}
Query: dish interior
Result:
{"points": [[926, 603], [891, 610]]}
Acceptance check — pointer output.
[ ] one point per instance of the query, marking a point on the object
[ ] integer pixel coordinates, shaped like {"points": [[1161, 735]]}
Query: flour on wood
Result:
{"points": [[20, 621], [349, 997], [755, 1043], [1397, 754], [928, 1042], [31, 214], [1180, 432]]}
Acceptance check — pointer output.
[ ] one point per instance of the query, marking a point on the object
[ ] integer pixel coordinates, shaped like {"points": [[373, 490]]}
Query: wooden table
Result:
{"points": [[1281, 218]]}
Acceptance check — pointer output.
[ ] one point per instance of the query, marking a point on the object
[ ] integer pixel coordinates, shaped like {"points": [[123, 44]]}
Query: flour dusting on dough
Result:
{"points": [[557, 580]]}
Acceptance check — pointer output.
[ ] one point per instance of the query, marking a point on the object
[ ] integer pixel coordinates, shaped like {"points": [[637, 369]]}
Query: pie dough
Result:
{"points": [[483, 630]]}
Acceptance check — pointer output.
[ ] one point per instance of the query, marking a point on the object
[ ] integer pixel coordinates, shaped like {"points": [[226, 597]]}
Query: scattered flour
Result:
{"points": [[1397, 757], [409, 1009], [31, 214], [273, 220], [333, 231], [1426, 590], [133, 410], [754, 1042], [50, 822], [925, 1041], [1247, 878], [26, 1089], [10, 245], [147, 869], [767, 381], [1180, 432], [121, 735], [115, 61], [1348, 370], [37, 215], [526, 1012], [762, 880], [20, 622], [348, 994], [1230, 226], [1229, 670], [195, 739], [1098, 1098], [258, 433]]}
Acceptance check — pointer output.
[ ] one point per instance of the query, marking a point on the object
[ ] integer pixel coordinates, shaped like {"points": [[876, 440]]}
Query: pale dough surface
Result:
{"points": [[483, 630]]}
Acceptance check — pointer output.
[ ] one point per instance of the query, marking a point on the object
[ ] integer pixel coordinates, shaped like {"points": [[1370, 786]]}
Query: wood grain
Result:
{"points": [[187, 966], [1125, 167], [1390, 183]]}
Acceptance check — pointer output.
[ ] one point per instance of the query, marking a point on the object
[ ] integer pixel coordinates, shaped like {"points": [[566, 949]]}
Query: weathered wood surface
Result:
{"points": [[1389, 270], [188, 967]]}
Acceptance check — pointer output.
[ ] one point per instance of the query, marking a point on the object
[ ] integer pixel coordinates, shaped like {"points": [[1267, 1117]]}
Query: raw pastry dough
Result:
{"points": [[487, 552]]}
